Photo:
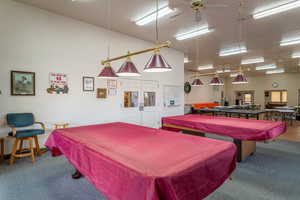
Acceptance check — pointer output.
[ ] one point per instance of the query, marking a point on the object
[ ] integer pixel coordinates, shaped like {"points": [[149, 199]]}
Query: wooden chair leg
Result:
{"points": [[37, 145], [21, 146], [14, 151], [31, 149]]}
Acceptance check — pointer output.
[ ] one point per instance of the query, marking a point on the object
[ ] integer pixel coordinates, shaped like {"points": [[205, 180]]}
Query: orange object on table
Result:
{"points": [[205, 105]]}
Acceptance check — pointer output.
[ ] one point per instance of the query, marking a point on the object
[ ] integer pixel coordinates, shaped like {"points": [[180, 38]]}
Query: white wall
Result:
{"points": [[286, 81], [38, 41], [204, 93]]}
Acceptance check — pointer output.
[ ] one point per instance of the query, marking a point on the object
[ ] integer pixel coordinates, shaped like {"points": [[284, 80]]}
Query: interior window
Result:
{"points": [[149, 99], [248, 98], [284, 96], [279, 96], [131, 99]]}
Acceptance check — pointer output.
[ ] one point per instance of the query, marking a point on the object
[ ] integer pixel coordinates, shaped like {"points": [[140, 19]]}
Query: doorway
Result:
{"points": [[140, 102]]}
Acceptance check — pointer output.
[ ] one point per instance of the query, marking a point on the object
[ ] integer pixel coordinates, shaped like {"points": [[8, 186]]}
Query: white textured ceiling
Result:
{"points": [[261, 37]]}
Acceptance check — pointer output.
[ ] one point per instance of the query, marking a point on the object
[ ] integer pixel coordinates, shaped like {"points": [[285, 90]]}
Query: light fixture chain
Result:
{"points": [[109, 24], [156, 21]]}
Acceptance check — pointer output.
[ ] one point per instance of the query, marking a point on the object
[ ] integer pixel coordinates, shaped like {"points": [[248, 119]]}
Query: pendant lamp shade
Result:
{"points": [[108, 72], [216, 81], [157, 63], [128, 69], [197, 82], [240, 79]]}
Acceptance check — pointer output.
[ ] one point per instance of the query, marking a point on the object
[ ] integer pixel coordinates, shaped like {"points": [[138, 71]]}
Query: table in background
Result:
{"points": [[230, 112], [61, 125]]}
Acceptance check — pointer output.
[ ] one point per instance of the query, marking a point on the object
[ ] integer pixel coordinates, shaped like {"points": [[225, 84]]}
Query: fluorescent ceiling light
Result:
{"points": [[290, 42], [152, 16], [234, 51], [193, 33], [186, 60], [234, 75], [296, 55], [223, 71], [205, 67], [253, 61], [275, 71], [271, 66], [277, 9]]}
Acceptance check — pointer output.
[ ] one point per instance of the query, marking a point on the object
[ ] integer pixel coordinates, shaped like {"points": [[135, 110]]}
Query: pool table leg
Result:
{"points": [[244, 149], [76, 175]]}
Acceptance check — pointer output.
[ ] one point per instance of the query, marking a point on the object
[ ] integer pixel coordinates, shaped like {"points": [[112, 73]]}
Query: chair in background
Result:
{"points": [[290, 117], [23, 120]]}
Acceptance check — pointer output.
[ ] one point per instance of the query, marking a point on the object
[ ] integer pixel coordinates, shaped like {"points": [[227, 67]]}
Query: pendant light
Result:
{"points": [[157, 63], [128, 68], [197, 82], [216, 81], [108, 71], [240, 78]]}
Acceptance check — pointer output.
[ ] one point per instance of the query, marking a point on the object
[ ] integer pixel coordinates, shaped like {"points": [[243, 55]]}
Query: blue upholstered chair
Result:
{"points": [[16, 121]]}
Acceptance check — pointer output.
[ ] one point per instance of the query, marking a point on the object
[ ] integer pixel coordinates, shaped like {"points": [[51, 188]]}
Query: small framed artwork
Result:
{"points": [[112, 84], [88, 84], [58, 83], [101, 93], [22, 83], [112, 92]]}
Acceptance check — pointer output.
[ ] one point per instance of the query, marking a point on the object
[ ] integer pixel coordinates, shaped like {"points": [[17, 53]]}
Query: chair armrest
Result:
{"points": [[14, 130], [42, 125]]}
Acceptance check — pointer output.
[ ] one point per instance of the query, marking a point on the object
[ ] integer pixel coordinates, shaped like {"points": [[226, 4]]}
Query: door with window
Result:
{"points": [[140, 102]]}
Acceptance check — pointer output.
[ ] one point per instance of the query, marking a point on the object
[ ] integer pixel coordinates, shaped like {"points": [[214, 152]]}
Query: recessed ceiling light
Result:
{"points": [[205, 67], [148, 18], [253, 61], [193, 33], [296, 55], [234, 51], [277, 9], [275, 71], [264, 67], [290, 42]]}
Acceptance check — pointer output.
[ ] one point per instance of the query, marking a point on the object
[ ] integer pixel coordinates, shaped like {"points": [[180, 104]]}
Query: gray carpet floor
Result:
{"points": [[273, 173]]}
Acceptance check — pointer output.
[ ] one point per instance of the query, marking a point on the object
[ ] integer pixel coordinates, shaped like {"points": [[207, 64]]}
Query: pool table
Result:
{"points": [[131, 162]]}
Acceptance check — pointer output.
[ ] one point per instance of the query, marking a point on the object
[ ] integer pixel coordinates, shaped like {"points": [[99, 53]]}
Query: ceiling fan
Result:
{"points": [[197, 7]]}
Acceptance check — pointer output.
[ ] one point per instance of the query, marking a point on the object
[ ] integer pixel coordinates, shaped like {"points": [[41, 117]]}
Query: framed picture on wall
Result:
{"points": [[101, 93], [58, 83], [22, 83], [88, 84], [112, 84]]}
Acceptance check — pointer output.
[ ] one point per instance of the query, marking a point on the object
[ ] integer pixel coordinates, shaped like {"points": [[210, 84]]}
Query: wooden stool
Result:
{"points": [[19, 153], [1, 149], [61, 125]]}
